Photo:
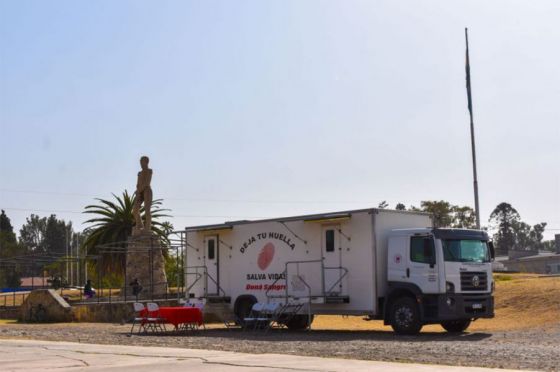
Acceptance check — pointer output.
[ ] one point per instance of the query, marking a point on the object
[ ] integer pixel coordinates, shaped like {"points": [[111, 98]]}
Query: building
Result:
{"points": [[540, 263]]}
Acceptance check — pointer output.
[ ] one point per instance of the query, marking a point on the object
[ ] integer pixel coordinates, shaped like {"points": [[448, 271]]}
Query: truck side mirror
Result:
{"points": [[492, 252]]}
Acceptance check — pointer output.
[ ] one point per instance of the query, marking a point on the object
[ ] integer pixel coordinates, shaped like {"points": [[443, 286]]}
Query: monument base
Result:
{"points": [[145, 263]]}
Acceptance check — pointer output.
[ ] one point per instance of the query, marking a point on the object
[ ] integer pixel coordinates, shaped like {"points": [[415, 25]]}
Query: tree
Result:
{"points": [[32, 233], [58, 234], [400, 207], [113, 223], [536, 235], [528, 237], [504, 217], [383, 205], [44, 235], [463, 217], [440, 210], [6, 228], [10, 275], [549, 245], [522, 236]]}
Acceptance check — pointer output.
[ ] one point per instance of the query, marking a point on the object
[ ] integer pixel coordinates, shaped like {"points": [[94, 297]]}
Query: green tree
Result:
{"points": [[32, 233], [505, 218], [10, 275], [112, 224], [440, 210], [6, 229], [463, 217], [549, 245], [400, 207], [383, 205], [536, 235]]}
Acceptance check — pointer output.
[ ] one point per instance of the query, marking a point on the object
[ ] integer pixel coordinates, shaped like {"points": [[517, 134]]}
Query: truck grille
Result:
{"points": [[474, 281]]}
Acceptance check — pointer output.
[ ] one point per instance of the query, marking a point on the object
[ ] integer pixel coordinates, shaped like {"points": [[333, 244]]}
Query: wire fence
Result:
{"points": [[100, 288]]}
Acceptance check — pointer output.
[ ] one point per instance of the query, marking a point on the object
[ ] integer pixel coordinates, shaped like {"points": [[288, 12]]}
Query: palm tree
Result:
{"points": [[112, 225]]}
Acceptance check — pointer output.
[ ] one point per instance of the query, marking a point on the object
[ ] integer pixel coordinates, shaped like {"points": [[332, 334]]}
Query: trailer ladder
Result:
{"points": [[201, 272], [328, 296]]}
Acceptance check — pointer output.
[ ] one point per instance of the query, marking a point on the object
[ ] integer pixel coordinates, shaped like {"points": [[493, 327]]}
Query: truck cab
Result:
{"points": [[438, 276]]}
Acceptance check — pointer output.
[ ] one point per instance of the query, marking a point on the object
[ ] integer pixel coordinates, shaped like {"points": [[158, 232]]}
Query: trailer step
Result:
{"points": [[218, 299], [337, 299]]}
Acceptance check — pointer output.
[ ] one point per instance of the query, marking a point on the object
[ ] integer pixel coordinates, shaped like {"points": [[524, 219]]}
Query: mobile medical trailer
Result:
{"points": [[384, 264]]}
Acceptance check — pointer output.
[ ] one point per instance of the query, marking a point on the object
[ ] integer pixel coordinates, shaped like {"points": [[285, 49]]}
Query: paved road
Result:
{"points": [[24, 355]]}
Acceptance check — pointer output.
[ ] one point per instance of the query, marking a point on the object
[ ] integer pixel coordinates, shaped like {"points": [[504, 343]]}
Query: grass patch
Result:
{"points": [[502, 277]]}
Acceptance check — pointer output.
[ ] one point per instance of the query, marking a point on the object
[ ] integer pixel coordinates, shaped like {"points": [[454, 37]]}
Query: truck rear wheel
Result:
{"points": [[456, 326], [405, 317], [299, 322]]}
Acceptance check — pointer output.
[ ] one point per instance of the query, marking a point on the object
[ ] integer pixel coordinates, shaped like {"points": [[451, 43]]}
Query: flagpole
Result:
{"points": [[469, 98]]}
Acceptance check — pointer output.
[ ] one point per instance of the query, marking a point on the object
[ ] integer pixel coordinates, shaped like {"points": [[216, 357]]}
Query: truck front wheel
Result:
{"points": [[405, 317], [456, 326]]}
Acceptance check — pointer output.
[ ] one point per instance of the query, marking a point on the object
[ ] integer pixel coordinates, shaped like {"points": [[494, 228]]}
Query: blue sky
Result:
{"points": [[268, 108]]}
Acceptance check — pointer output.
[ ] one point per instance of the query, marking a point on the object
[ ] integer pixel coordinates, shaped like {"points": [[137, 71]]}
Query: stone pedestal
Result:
{"points": [[45, 305], [145, 262]]}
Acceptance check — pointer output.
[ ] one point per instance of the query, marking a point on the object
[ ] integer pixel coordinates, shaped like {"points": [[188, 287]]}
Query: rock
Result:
{"points": [[45, 305]]}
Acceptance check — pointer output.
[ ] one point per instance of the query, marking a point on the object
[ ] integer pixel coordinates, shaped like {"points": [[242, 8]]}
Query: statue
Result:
{"points": [[143, 195], [144, 257]]}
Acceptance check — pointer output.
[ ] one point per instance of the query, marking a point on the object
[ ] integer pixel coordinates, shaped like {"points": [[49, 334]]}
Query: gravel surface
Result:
{"points": [[536, 349]]}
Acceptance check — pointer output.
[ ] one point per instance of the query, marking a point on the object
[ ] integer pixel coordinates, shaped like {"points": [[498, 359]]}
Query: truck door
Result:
{"points": [[211, 261], [330, 242], [421, 268]]}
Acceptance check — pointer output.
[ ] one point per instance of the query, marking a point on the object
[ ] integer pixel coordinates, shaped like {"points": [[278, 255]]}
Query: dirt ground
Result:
{"points": [[522, 302], [525, 334]]}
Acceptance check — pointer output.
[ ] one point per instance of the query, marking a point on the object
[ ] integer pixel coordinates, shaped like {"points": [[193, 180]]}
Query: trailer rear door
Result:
{"points": [[211, 261], [331, 258]]}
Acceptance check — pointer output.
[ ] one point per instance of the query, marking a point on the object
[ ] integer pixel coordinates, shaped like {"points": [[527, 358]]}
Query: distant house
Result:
{"points": [[528, 261], [540, 263], [35, 282]]}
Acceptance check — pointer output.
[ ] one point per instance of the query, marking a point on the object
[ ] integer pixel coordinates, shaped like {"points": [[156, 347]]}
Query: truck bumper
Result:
{"points": [[464, 306]]}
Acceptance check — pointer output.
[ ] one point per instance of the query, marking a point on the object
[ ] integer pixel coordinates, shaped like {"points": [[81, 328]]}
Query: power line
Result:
{"points": [[175, 215], [200, 200]]}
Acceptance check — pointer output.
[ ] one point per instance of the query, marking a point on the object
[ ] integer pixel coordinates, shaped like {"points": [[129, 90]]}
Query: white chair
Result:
{"points": [[139, 317], [154, 320], [272, 312], [253, 315]]}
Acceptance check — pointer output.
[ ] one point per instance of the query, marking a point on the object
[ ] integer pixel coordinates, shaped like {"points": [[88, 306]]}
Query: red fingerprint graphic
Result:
{"points": [[265, 256]]}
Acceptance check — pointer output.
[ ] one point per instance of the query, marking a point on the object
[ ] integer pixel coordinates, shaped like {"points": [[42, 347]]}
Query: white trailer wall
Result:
{"points": [[252, 254]]}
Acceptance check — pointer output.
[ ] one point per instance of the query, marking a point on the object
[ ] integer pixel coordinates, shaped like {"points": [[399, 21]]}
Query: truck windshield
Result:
{"points": [[456, 250]]}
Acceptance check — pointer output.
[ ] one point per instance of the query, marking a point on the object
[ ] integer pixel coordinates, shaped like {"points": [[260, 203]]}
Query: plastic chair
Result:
{"points": [[154, 320], [253, 315], [139, 317], [272, 313]]}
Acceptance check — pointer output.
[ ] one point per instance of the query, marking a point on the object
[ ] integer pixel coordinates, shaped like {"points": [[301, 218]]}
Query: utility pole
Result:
{"points": [[66, 238], [78, 282], [469, 98]]}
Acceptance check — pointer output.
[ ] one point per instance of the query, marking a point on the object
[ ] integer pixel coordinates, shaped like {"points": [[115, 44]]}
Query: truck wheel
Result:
{"points": [[405, 317], [299, 322], [456, 326]]}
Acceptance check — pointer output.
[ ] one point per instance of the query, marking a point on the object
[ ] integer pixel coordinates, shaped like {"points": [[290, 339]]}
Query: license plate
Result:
{"points": [[477, 306]]}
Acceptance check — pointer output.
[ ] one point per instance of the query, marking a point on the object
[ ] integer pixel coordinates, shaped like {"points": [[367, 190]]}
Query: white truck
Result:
{"points": [[384, 264]]}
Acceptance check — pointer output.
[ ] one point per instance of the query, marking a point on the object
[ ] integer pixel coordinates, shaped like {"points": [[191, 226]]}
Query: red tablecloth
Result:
{"points": [[179, 315]]}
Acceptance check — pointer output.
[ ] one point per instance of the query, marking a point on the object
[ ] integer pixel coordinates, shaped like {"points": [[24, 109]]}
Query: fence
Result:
{"points": [[173, 245]]}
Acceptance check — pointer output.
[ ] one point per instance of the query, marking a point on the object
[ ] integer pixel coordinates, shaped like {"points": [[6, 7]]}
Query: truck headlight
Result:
{"points": [[449, 287]]}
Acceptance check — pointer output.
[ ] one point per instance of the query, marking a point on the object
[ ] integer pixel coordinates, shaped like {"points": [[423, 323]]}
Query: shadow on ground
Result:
{"points": [[318, 335]]}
